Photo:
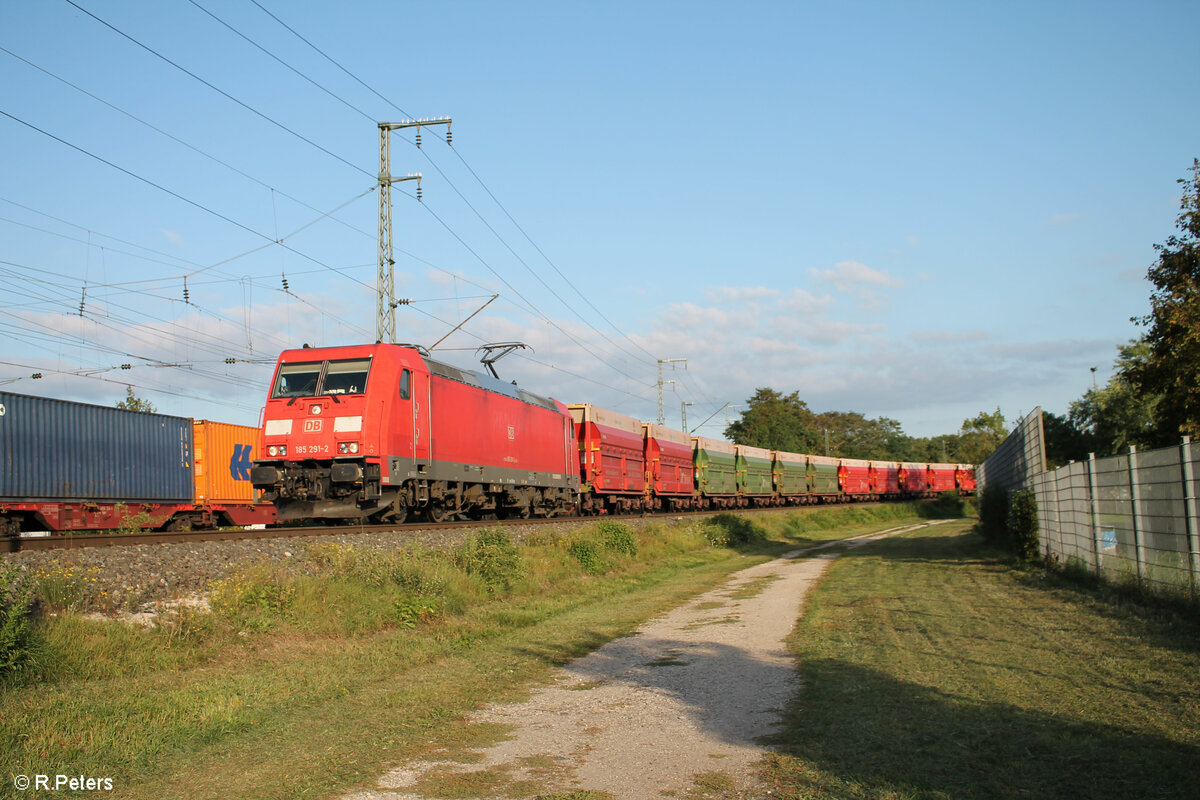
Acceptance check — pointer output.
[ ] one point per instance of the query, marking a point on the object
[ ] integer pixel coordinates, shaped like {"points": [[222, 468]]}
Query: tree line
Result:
{"points": [[785, 422]]}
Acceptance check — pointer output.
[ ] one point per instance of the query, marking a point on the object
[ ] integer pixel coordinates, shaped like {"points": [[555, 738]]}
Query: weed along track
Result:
{"points": [[675, 709]]}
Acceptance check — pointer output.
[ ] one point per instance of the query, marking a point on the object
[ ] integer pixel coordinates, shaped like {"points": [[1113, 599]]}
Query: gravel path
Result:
{"points": [[644, 716]]}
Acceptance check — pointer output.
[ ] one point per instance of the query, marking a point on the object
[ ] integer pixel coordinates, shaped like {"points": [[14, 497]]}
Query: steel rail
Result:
{"points": [[70, 541]]}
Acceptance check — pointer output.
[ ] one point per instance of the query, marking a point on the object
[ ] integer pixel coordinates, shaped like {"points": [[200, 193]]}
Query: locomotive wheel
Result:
{"points": [[435, 513], [394, 515]]}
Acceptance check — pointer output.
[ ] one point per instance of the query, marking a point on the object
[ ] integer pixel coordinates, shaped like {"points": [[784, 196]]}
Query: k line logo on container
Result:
{"points": [[239, 462]]}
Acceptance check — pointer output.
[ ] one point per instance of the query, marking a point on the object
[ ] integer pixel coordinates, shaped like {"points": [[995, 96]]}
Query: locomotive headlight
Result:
{"points": [[347, 447], [273, 450]]}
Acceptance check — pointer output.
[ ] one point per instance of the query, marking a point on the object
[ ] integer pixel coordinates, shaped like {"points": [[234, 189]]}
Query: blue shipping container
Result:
{"points": [[56, 450]]}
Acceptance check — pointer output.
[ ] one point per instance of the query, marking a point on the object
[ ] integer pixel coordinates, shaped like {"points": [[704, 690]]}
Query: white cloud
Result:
{"points": [[849, 277], [732, 294]]}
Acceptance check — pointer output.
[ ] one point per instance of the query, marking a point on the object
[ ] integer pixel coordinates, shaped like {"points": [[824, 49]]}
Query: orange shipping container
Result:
{"points": [[222, 454]]}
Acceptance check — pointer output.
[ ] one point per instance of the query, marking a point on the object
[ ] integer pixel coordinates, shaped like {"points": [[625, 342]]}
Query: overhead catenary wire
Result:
{"points": [[174, 194], [491, 194], [283, 63], [513, 293], [434, 164], [222, 92], [180, 141]]}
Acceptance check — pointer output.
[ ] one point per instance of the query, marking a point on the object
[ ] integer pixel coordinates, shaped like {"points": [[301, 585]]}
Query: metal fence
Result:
{"points": [[1019, 458], [1128, 517]]}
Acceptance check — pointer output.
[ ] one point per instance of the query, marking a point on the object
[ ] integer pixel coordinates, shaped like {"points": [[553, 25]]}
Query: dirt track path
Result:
{"points": [[676, 707]]}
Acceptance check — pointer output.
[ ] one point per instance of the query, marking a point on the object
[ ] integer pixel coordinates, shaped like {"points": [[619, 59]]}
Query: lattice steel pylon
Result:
{"points": [[662, 420], [385, 281]]}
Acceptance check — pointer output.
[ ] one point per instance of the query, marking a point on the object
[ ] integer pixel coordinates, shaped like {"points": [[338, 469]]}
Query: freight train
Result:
{"points": [[68, 466], [382, 432]]}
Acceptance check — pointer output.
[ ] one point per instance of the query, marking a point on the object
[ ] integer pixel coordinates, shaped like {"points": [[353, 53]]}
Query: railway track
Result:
{"points": [[10, 544]]}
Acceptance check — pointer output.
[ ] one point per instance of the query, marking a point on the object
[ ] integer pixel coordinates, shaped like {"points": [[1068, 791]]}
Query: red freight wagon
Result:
{"points": [[377, 431], [885, 478], [914, 478], [612, 460], [964, 477], [669, 467], [941, 478], [854, 476]]}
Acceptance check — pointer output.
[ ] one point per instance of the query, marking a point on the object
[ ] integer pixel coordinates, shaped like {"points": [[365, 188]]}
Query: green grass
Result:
{"points": [[310, 682], [314, 681], [932, 669]]}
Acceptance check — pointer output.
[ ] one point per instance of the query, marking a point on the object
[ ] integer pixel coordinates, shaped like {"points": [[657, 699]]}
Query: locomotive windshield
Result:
{"points": [[346, 377], [310, 379]]}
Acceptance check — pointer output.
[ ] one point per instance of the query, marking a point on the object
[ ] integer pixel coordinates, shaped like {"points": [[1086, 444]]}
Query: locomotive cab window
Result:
{"points": [[346, 377], [405, 384], [297, 380]]}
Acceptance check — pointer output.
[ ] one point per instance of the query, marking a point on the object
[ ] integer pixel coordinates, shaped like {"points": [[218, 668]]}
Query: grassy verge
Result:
{"points": [[309, 683], [933, 670]]}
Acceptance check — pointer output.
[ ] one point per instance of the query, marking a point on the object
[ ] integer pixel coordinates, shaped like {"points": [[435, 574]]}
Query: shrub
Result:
{"points": [[17, 633], [617, 537], [587, 553], [491, 556], [67, 587], [131, 523], [413, 609], [255, 596], [725, 530], [418, 571], [1023, 524], [948, 505]]}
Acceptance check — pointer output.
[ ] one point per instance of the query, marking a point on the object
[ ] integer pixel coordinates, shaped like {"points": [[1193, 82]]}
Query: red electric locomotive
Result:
{"points": [[381, 431]]}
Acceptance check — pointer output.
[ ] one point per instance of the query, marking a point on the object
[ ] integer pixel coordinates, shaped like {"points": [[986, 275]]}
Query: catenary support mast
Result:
{"points": [[385, 281]]}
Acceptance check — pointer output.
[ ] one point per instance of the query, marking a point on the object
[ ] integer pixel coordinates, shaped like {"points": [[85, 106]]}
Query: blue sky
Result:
{"points": [[915, 210]]}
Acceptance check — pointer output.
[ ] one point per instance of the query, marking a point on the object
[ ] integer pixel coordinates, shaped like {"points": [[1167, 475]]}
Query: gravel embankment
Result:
{"points": [[132, 578]]}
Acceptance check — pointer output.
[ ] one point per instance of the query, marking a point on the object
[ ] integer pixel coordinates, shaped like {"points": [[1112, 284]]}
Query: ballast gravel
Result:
{"points": [[140, 579]]}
